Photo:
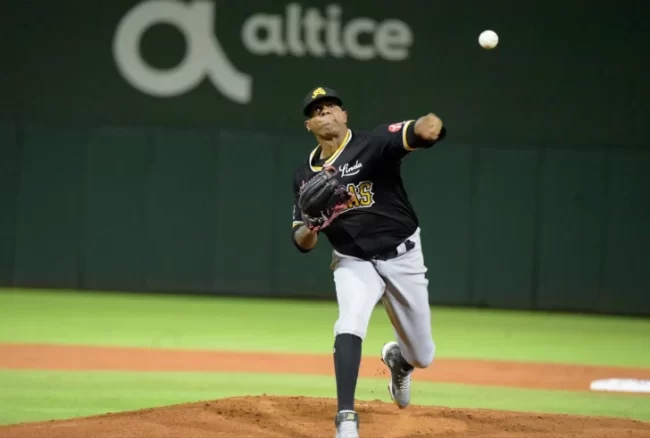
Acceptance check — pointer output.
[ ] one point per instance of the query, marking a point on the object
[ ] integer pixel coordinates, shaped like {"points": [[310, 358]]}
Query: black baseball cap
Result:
{"points": [[317, 94]]}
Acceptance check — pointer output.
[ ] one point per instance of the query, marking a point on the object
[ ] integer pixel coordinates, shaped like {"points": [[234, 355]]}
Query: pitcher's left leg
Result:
{"points": [[407, 305]]}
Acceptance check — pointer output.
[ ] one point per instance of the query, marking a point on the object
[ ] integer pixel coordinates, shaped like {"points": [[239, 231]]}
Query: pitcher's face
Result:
{"points": [[326, 119]]}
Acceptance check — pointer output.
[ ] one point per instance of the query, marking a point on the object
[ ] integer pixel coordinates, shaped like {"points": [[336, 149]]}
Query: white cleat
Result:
{"points": [[347, 424], [399, 386]]}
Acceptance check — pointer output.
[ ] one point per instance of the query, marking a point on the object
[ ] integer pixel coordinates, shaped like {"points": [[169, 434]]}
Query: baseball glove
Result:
{"points": [[322, 199]]}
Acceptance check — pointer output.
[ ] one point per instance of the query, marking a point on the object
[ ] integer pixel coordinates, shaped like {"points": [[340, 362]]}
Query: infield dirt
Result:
{"points": [[271, 416]]}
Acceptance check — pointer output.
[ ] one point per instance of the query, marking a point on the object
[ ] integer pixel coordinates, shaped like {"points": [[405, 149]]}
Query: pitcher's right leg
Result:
{"points": [[358, 290]]}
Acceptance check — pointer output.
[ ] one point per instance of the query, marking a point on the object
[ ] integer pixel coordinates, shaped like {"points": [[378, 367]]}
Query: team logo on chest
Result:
{"points": [[362, 195], [347, 170]]}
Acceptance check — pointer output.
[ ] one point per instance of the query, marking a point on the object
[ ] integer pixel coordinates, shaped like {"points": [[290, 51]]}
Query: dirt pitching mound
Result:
{"points": [[313, 418]]}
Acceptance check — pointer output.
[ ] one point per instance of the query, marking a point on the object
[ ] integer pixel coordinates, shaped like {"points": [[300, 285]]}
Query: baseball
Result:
{"points": [[488, 39]]}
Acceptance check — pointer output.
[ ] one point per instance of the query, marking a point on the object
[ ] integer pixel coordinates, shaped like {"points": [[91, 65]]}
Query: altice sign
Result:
{"points": [[296, 33]]}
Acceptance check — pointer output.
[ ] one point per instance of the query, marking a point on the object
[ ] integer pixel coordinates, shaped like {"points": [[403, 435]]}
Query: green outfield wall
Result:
{"points": [[134, 137], [160, 209]]}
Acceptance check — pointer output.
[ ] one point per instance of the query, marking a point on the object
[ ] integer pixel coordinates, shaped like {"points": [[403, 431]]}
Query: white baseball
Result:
{"points": [[488, 39]]}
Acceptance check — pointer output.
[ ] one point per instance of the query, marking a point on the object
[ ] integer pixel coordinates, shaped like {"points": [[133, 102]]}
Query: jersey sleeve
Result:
{"points": [[297, 217], [398, 139]]}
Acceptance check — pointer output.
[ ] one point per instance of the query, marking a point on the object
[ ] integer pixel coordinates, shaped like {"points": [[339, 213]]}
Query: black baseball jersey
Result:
{"points": [[379, 215]]}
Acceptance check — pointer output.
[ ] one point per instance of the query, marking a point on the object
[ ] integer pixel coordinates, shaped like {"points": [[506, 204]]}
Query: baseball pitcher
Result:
{"points": [[350, 190]]}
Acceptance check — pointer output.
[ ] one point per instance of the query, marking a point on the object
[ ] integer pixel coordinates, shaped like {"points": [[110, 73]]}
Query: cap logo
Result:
{"points": [[318, 92]]}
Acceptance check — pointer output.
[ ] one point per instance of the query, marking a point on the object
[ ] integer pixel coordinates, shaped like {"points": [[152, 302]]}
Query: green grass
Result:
{"points": [[34, 396], [69, 317]]}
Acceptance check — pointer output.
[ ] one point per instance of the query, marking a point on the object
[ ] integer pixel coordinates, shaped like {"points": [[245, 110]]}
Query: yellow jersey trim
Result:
{"points": [[404, 141], [335, 155]]}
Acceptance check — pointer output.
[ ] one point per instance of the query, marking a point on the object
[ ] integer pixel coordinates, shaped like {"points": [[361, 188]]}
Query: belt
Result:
{"points": [[402, 248]]}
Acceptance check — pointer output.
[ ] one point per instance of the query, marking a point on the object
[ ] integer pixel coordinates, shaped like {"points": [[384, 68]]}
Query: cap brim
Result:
{"points": [[307, 107]]}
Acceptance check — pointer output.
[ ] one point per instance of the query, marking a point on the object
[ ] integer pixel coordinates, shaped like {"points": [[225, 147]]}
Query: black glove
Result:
{"points": [[322, 199]]}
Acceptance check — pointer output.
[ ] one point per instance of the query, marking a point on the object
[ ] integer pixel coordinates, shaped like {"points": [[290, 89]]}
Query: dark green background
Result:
{"points": [[538, 199], [565, 73]]}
